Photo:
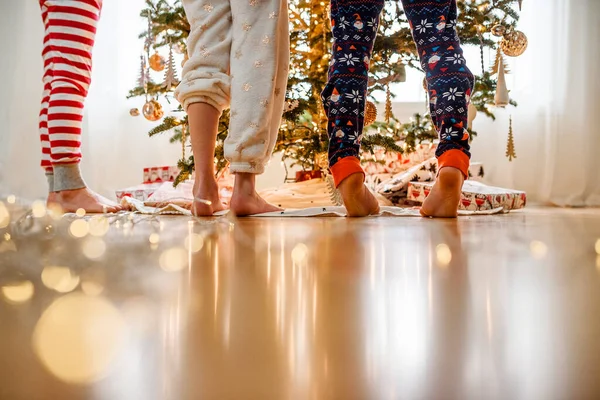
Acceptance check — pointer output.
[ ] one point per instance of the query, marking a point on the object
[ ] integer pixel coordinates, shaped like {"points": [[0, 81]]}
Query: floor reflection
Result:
{"points": [[305, 308]]}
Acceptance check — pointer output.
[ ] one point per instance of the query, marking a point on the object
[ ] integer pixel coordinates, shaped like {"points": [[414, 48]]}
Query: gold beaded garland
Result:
{"points": [[514, 43]]}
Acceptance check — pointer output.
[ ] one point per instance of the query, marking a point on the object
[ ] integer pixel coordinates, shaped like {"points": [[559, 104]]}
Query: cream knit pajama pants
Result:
{"points": [[239, 58]]}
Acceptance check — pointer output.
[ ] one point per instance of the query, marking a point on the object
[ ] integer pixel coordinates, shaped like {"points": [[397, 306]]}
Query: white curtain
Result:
{"points": [[556, 128], [557, 136]]}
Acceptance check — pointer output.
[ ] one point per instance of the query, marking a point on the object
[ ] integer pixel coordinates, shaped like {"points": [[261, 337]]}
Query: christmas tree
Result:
{"points": [[303, 135]]}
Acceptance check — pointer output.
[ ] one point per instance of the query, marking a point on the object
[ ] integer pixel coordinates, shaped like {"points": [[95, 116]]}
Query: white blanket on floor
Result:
{"points": [[328, 211]]}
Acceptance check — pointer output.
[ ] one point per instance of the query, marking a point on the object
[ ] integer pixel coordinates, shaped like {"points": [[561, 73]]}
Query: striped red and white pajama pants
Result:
{"points": [[70, 30]]}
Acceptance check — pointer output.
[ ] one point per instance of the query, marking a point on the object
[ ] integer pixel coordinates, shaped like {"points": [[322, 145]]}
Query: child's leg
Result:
{"points": [[70, 33], [450, 83], [205, 92], [354, 27], [259, 66]]}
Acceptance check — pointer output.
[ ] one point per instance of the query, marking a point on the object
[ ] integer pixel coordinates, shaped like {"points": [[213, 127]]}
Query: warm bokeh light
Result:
{"points": [[79, 228], [299, 253], [78, 337], [538, 249], [4, 216], [61, 279], [17, 293], [597, 247], [38, 209], [93, 248], [80, 212], [92, 288], [7, 236], [12, 199], [194, 242], [55, 211], [154, 238], [98, 225], [443, 254], [173, 259]]}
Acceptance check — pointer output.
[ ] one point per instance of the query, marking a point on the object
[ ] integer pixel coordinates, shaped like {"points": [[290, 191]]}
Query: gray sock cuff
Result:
{"points": [[50, 178], [67, 177]]}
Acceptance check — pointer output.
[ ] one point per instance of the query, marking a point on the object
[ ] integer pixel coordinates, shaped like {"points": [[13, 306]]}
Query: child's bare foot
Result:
{"points": [[206, 197], [358, 200], [71, 200], [245, 201], [444, 198]]}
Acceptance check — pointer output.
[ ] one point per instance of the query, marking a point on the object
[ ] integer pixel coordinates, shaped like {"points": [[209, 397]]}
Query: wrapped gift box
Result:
{"points": [[475, 196], [139, 192], [160, 174]]}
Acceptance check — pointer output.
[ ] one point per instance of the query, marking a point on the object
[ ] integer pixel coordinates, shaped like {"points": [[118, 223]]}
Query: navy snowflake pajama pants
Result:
{"points": [[449, 81]]}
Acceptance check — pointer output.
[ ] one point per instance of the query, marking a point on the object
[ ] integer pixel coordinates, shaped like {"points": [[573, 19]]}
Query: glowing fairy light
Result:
{"points": [[12, 199], [173, 259], [93, 248], [299, 253], [18, 293], [61, 279], [38, 209], [194, 242], [443, 254], [98, 225], [80, 212], [597, 247], [4, 216], [538, 249], [154, 238], [79, 228]]}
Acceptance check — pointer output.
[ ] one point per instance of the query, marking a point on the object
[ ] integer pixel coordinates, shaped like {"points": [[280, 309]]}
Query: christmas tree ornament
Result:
{"points": [[370, 113], [152, 110], [498, 30], [499, 59], [170, 72], [471, 115], [510, 145], [520, 4], [388, 104], [143, 78], [514, 43], [157, 62], [501, 99], [134, 112]]}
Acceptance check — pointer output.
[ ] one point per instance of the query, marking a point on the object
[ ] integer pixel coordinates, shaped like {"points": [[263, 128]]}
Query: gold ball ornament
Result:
{"points": [[370, 113], [134, 112], [498, 30], [157, 62], [152, 110], [514, 43]]}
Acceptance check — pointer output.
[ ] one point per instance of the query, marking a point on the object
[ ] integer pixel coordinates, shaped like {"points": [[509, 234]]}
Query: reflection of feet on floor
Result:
{"points": [[444, 198], [244, 204], [358, 200], [71, 200], [206, 198]]}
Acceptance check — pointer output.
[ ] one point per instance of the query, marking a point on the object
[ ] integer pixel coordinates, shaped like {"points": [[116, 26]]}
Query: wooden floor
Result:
{"points": [[486, 307]]}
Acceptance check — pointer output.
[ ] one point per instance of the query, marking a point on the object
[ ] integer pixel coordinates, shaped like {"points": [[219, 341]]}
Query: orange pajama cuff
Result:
{"points": [[455, 159], [344, 168]]}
